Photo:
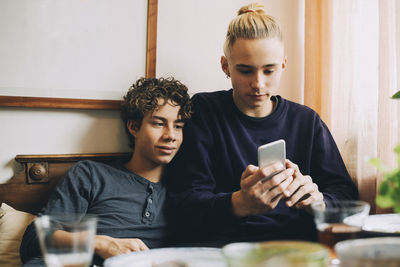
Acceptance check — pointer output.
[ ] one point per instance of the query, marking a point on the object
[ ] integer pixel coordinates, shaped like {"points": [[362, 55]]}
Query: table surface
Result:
{"points": [[376, 225]]}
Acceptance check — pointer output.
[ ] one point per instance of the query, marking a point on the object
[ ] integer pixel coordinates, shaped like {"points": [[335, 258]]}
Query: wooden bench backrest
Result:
{"points": [[29, 189]]}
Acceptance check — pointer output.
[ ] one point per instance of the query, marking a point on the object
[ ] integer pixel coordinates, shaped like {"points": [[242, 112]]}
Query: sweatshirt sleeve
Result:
{"points": [[191, 188], [329, 170]]}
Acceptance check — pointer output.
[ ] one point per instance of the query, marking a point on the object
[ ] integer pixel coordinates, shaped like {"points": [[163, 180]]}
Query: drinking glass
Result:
{"points": [[340, 222], [73, 245]]}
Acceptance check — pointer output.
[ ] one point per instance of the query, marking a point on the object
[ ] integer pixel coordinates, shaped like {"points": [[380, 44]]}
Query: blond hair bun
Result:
{"points": [[251, 23], [253, 7]]}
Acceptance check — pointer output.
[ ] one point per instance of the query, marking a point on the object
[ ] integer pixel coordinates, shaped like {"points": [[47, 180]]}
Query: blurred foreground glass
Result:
{"points": [[75, 249], [342, 222], [276, 253]]}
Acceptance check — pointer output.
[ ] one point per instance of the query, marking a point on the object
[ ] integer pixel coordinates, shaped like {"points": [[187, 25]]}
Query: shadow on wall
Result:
{"points": [[106, 133]]}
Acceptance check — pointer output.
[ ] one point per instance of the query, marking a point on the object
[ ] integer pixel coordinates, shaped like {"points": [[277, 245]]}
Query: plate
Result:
{"points": [[383, 223], [188, 257], [367, 252]]}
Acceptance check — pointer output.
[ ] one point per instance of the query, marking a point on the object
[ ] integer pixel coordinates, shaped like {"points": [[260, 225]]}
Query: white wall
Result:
{"points": [[46, 131], [190, 39], [71, 48], [191, 36]]}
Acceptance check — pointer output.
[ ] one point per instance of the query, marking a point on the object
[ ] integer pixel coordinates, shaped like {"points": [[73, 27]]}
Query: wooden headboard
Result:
{"points": [[29, 189]]}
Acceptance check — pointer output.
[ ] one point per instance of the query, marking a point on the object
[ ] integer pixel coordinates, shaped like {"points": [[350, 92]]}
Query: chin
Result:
{"points": [[164, 161], [257, 104]]}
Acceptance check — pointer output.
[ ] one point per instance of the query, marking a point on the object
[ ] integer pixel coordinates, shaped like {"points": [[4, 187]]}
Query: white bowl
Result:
{"points": [[368, 252], [276, 254]]}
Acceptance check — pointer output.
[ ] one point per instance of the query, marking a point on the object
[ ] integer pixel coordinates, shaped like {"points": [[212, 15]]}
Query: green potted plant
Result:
{"points": [[389, 189]]}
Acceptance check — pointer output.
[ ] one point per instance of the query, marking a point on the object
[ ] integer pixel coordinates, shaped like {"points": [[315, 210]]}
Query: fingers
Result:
{"points": [[297, 183], [120, 246], [251, 169], [274, 202], [278, 178], [314, 197], [256, 186], [271, 169], [279, 188], [290, 164], [262, 195], [142, 245], [255, 174], [302, 192], [252, 174], [136, 244]]}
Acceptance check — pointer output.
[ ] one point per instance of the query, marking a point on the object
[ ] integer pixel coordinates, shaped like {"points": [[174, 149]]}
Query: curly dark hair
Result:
{"points": [[143, 97]]}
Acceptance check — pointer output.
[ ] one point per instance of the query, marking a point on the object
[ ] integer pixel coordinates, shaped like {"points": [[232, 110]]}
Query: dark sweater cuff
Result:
{"points": [[224, 210]]}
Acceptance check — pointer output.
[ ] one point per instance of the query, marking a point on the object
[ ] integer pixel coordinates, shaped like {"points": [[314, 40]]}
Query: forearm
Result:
{"points": [[101, 242], [62, 238]]}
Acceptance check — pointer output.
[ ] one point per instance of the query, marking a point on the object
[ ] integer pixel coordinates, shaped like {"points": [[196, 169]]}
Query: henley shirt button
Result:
{"points": [[150, 200], [151, 188], [147, 214]]}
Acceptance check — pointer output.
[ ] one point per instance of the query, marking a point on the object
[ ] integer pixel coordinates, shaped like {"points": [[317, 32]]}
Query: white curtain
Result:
{"points": [[351, 71]]}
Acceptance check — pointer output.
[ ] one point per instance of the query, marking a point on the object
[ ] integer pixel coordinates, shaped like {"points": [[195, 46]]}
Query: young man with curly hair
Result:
{"points": [[127, 198]]}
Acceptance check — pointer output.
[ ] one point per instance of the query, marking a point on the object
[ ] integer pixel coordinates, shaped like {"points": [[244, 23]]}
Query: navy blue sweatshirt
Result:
{"points": [[220, 141]]}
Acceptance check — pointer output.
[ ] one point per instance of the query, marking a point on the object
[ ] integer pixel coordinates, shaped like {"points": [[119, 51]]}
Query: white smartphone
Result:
{"points": [[271, 153]]}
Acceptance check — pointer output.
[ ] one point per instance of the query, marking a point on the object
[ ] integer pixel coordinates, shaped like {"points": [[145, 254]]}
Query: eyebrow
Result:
{"points": [[164, 119], [265, 66]]}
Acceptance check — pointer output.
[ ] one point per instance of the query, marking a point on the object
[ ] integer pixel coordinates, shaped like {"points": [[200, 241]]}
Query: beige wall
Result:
{"points": [[190, 39]]}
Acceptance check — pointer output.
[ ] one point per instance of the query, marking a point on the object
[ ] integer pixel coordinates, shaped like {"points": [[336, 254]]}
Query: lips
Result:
{"points": [[167, 150], [257, 97]]}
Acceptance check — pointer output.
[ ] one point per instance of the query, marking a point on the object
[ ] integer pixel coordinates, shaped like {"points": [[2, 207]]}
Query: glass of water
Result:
{"points": [[66, 240]]}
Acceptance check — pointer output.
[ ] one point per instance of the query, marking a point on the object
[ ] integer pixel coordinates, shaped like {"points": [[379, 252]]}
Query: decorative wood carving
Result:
{"points": [[38, 172]]}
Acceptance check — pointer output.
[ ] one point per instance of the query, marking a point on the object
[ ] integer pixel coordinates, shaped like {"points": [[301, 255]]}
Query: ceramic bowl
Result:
{"points": [[276, 253], [368, 252]]}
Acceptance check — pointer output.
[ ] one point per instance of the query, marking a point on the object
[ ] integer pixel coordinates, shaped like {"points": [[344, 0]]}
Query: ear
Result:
{"points": [[132, 127], [225, 65], [284, 61]]}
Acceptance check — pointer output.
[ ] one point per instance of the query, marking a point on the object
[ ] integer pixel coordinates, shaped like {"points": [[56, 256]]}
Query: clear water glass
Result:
{"points": [[74, 244]]}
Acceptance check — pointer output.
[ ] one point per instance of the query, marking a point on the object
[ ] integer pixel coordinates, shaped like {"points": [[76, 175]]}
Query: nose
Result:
{"points": [[257, 82], [169, 133]]}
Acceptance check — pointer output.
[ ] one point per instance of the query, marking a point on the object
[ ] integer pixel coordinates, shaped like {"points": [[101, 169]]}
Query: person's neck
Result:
{"points": [[263, 111], [146, 169]]}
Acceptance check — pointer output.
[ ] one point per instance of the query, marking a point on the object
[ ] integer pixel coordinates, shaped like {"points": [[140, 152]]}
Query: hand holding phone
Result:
{"points": [[271, 153], [255, 198]]}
